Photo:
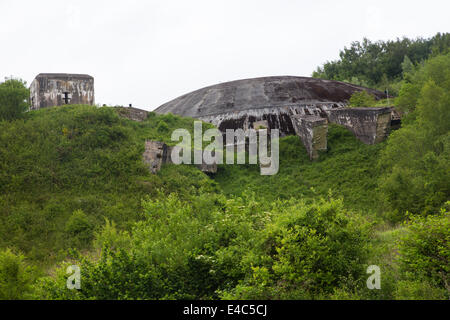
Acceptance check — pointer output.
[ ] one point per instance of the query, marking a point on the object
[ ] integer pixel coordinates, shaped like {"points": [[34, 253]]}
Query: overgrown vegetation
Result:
{"points": [[362, 99], [382, 64], [347, 169], [415, 162], [63, 170], [425, 256], [74, 190]]}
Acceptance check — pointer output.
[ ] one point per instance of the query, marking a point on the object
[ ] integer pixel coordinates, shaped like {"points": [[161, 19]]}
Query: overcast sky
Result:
{"points": [[150, 52]]}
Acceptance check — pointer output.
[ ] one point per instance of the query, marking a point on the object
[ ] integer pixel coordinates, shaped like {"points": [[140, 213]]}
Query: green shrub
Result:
{"points": [[162, 127], [309, 250], [181, 250], [362, 99], [424, 251], [79, 230], [16, 277]]}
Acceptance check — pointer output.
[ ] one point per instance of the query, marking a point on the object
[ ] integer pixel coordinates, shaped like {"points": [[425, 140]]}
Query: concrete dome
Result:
{"points": [[259, 93]]}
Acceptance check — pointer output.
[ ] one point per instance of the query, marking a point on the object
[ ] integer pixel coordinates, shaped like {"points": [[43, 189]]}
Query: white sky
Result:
{"points": [[150, 52]]}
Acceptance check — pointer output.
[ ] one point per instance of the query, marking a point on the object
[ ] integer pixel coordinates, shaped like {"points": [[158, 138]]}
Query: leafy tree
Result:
{"points": [[441, 44], [435, 69], [14, 97], [380, 64], [407, 69]]}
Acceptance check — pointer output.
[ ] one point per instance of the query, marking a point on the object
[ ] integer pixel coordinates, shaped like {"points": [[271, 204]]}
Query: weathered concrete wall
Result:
{"points": [[276, 117], [155, 155], [158, 153], [370, 125], [49, 89], [133, 113], [312, 131], [383, 127]]}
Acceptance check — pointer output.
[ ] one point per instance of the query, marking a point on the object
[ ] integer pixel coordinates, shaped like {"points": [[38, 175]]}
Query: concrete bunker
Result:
{"points": [[56, 89], [295, 105]]}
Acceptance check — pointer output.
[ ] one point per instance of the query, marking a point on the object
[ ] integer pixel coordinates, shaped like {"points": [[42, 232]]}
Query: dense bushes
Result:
{"points": [[425, 250], [417, 157], [210, 246], [435, 71], [307, 252], [181, 249], [78, 229]]}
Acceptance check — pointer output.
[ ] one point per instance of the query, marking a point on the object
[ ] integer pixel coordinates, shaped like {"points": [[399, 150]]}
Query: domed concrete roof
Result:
{"points": [[257, 93]]}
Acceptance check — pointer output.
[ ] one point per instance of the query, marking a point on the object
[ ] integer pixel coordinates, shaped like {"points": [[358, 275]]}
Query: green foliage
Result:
{"points": [[211, 246], [434, 70], [441, 44], [56, 161], [419, 290], [181, 250], [111, 237], [348, 169], [73, 177], [407, 97], [425, 252], [379, 64], [79, 229], [407, 66], [162, 127], [13, 99], [362, 99], [308, 250], [417, 157], [15, 276]]}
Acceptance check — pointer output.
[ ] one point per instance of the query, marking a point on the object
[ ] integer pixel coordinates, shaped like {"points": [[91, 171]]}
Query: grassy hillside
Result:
{"points": [[59, 160], [348, 169], [64, 170], [73, 188]]}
